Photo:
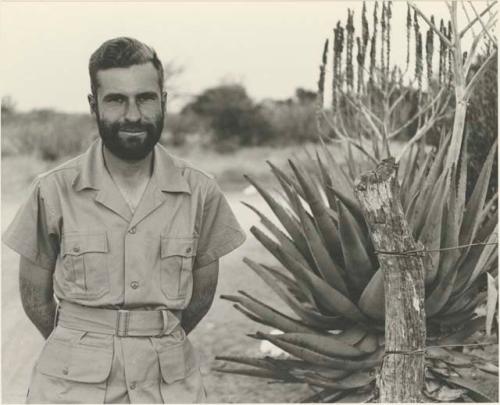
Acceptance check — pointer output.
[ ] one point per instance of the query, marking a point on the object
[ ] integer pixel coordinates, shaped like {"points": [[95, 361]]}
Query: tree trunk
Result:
{"points": [[402, 376]]}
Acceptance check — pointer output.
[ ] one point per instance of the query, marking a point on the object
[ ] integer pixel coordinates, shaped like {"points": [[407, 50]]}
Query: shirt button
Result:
{"points": [[132, 386], [76, 249], [188, 250], [65, 371], [132, 230], [134, 285]]}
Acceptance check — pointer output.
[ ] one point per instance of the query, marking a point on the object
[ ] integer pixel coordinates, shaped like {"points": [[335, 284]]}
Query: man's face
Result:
{"points": [[129, 109]]}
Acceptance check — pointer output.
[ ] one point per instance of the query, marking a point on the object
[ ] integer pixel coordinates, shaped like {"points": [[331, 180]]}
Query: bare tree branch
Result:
{"points": [[473, 80], [430, 24], [487, 31], [478, 18], [472, 52], [367, 114], [410, 121]]}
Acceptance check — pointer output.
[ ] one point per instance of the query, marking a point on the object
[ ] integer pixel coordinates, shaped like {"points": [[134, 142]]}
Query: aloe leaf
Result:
{"points": [[359, 267], [309, 317], [351, 204], [327, 344], [475, 386], [356, 380], [491, 303], [322, 218], [460, 336], [427, 198], [287, 183], [465, 303], [268, 314], [330, 272], [419, 179], [453, 319], [252, 316], [328, 296], [475, 204], [283, 239], [321, 359], [326, 180], [285, 259], [353, 335], [301, 293], [289, 223], [369, 344], [466, 265], [248, 361], [447, 273], [408, 174], [430, 235], [255, 372], [338, 174], [490, 249], [488, 221], [372, 300]]}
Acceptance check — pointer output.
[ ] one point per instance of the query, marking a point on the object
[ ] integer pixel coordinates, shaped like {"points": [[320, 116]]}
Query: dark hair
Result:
{"points": [[120, 53]]}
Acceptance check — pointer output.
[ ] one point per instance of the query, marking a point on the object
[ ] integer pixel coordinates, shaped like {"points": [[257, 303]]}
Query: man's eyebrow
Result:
{"points": [[148, 94], [111, 96]]}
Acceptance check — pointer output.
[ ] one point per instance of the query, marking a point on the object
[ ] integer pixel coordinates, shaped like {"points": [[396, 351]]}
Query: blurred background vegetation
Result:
{"points": [[225, 120]]}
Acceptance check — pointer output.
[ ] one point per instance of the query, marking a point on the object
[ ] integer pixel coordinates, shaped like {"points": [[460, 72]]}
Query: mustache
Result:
{"points": [[133, 127]]}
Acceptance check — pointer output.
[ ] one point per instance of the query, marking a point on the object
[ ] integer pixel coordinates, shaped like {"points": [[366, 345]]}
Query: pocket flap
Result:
{"points": [[172, 364], [76, 244], [177, 362], [178, 247], [75, 362]]}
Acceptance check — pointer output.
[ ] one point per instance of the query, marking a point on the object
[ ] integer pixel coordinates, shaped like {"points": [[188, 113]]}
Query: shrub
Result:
{"points": [[48, 133], [231, 115]]}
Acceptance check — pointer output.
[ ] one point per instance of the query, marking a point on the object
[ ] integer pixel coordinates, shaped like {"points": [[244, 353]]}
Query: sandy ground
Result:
{"points": [[222, 331]]}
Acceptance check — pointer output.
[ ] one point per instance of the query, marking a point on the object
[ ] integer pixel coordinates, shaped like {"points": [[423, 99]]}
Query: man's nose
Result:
{"points": [[132, 113]]}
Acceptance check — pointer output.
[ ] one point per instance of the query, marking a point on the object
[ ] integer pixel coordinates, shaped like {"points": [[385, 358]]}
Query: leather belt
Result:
{"points": [[118, 322]]}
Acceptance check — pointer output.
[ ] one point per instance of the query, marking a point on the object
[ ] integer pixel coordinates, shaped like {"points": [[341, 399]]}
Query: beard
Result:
{"points": [[130, 147]]}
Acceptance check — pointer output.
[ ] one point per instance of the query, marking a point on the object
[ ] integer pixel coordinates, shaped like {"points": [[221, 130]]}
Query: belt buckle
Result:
{"points": [[122, 321]]}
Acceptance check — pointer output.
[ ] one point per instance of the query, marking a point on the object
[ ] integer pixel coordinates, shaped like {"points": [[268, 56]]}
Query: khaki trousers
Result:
{"points": [[77, 366]]}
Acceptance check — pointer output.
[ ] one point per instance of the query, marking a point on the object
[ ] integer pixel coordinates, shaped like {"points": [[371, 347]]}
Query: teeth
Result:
{"points": [[133, 133]]}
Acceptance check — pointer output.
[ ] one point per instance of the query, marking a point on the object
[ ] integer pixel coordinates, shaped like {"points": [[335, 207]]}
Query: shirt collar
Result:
{"points": [[167, 175]]}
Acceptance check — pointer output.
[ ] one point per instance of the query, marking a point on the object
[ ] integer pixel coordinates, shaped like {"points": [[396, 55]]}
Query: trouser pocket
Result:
{"points": [[70, 372], [181, 376]]}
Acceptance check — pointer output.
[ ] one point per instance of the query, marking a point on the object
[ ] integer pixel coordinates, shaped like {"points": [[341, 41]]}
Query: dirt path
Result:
{"points": [[222, 332]]}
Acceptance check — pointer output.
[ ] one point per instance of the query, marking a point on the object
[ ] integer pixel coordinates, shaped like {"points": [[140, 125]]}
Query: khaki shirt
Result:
{"points": [[77, 222]]}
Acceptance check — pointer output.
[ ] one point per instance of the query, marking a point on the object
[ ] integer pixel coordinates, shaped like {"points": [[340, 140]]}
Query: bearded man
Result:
{"points": [[127, 238]]}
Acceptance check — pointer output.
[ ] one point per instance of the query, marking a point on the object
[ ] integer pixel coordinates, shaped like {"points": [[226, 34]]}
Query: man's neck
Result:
{"points": [[130, 173]]}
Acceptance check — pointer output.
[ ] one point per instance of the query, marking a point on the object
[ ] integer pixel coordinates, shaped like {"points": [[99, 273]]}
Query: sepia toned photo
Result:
{"points": [[249, 202]]}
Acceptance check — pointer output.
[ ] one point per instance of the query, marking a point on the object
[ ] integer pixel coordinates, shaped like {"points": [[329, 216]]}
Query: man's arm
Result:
{"points": [[37, 295], [204, 285]]}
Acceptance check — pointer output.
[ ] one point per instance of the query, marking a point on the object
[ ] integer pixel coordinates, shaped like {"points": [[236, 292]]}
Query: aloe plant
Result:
{"points": [[326, 269], [328, 275]]}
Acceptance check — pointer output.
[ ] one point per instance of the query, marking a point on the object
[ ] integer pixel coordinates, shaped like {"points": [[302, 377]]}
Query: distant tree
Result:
{"points": [[304, 96], [231, 115], [8, 105]]}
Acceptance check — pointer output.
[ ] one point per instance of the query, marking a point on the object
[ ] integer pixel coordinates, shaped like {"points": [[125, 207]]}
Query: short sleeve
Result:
{"points": [[220, 232], [34, 231]]}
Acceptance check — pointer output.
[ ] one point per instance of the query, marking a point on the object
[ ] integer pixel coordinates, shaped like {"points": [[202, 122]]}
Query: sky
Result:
{"points": [[270, 47]]}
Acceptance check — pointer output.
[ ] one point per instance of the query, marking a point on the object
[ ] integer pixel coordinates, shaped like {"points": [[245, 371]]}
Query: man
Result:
{"points": [[128, 239]]}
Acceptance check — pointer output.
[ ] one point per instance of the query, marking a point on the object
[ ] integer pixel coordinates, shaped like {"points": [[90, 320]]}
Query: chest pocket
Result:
{"points": [[85, 263], [177, 256]]}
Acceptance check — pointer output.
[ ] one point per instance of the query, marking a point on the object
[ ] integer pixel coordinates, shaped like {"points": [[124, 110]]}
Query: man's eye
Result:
{"points": [[116, 99], [147, 97]]}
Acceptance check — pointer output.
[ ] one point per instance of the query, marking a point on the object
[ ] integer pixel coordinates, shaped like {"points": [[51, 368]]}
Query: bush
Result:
{"points": [[231, 115], [47, 133]]}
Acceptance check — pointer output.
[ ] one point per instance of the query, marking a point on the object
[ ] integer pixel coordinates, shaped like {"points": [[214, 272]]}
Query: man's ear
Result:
{"points": [[92, 104], [164, 101]]}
